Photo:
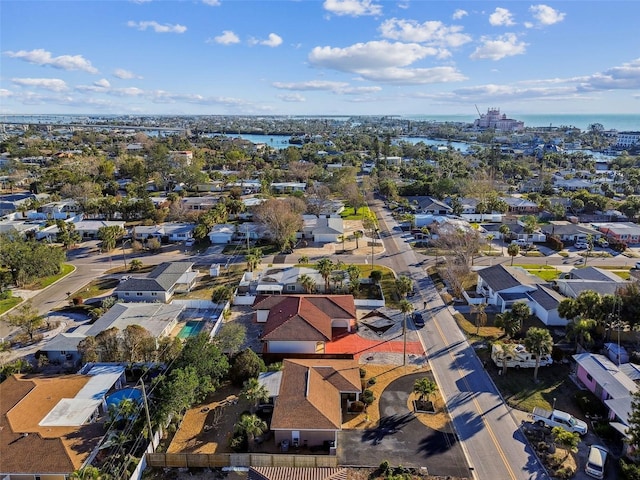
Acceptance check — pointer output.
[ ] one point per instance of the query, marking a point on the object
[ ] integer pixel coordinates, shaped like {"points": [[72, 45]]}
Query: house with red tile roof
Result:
{"points": [[303, 323], [309, 401]]}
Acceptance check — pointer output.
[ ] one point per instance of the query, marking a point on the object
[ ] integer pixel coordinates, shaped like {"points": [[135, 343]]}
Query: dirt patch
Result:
{"points": [[207, 427], [384, 375]]}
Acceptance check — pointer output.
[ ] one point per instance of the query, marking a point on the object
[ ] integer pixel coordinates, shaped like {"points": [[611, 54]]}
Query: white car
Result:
{"points": [[581, 245], [190, 242]]}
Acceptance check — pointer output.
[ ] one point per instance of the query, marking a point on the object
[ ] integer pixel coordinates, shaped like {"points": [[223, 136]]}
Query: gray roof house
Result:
{"points": [[502, 286], [544, 304], [599, 280], [322, 229], [570, 232], [159, 285]]}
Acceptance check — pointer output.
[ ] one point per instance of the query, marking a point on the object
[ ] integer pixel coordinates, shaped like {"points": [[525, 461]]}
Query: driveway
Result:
{"points": [[402, 439]]}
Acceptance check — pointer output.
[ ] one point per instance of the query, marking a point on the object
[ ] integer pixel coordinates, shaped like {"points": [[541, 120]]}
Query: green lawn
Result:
{"points": [[363, 212], [46, 281], [8, 303], [546, 272], [96, 288]]}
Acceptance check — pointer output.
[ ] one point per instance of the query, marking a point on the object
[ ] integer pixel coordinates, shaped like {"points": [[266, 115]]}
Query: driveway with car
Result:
{"points": [[402, 439]]}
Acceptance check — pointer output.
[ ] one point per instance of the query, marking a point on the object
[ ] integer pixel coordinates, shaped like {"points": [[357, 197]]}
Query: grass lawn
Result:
{"points": [[546, 272], [206, 285], [488, 332], [46, 281], [8, 303], [96, 288], [363, 212]]}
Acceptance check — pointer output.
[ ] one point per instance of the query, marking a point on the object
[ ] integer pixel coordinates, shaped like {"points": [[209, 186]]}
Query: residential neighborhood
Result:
{"points": [[188, 302]]}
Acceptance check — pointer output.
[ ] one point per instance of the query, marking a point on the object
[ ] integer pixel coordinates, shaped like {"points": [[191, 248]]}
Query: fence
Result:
{"points": [[217, 460]]}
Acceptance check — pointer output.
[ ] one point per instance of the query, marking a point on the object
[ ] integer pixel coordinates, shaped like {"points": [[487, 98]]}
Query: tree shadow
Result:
{"points": [[387, 426]]}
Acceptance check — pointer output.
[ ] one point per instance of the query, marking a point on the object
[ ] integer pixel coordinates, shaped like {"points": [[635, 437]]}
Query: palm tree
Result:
{"points": [[424, 387], [404, 285], [353, 272], [504, 231], [580, 330], [342, 238], [325, 267], [304, 259], [507, 350], [568, 308], [406, 307], [509, 323], [251, 426], [540, 342], [513, 250], [490, 238], [307, 282], [481, 316], [88, 473], [254, 392], [254, 258], [357, 235]]}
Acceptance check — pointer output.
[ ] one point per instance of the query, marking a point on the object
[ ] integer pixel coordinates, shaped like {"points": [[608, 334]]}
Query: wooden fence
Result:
{"points": [[217, 460]]}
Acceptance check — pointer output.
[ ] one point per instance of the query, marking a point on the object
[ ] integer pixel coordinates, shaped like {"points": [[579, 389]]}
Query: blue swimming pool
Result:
{"points": [[191, 328], [116, 397]]}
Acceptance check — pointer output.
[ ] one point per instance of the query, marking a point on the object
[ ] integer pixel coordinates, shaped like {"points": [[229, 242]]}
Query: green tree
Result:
{"points": [[353, 272], [176, 392], [110, 236], [424, 387], [27, 318], [231, 337], [504, 231], [135, 265], [521, 311], [567, 440], [376, 276], [539, 342], [325, 266], [513, 250], [307, 282], [245, 365], [304, 259], [509, 323], [254, 258], [580, 330], [89, 473], [357, 235], [67, 234], [250, 426], [634, 420], [254, 392], [404, 285], [210, 364], [28, 260]]}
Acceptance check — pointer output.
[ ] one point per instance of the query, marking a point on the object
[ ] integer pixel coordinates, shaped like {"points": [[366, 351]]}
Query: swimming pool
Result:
{"points": [[191, 328], [126, 393]]}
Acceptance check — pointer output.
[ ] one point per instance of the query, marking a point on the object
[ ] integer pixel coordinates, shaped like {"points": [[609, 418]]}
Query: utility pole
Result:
{"points": [[146, 411], [404, 350]]}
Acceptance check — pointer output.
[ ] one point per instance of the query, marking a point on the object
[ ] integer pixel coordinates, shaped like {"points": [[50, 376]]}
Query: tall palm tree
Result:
{"points": [[357, 235], [353, 272], [490, 238], [540, 342], [251, 426], [504, 231], [406, 307], [404, 285], [342, 238], [513, 250], [481, 316], [580, 329], [304, 259], [325, 267], [509, 323], [507, 350]]}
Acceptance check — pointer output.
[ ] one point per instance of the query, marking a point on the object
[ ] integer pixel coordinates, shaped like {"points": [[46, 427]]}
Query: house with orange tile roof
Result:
{"points": [[309, 399], [303, 323], [48, 425]]}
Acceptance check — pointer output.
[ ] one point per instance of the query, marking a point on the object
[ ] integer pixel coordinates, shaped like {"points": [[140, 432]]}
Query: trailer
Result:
{"points": [[516, 357]]}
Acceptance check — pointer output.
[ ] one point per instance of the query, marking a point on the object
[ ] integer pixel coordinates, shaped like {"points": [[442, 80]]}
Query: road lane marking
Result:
{"points": [[475, 401]]}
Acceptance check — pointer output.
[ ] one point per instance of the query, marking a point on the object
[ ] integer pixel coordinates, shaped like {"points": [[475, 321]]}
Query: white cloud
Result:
{"points": [[624, 77], [157, 27], [227, 38], [370, 55], [125, 74], [359, 90], [414, 76], [64, 62], [274, 40], [431, 32], [4, 93], [292, 98], [459, 13], [506, 45], [310, 85], [353, 8], [501, 17], [545, 15], [102, 83], [212, 3], [53, 84]]}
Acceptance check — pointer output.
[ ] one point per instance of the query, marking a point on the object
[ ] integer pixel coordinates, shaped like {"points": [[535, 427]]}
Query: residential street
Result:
{"points": [[493, 444]]}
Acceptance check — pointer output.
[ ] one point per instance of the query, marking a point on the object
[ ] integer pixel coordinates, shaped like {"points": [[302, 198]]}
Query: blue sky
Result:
{"points": [[319, 57]]}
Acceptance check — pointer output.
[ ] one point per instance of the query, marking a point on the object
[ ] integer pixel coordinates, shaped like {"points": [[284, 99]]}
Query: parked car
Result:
{"points": [[190, 242], [581, 245], [418, 319], [596, 461], [603, 243], [558, 418]]}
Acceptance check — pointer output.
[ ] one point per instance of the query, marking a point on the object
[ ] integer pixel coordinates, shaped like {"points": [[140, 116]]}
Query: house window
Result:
{"points": [[139, 294], [589, 377], [63, 352], [291, 288], [126, 294], [154, 294]]}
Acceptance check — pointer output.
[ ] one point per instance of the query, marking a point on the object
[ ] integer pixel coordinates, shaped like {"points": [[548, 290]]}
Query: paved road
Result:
{"points": [[493, 444]]}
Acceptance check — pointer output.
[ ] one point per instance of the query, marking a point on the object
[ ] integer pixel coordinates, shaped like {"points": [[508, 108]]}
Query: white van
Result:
{"points": [[596, 461]]}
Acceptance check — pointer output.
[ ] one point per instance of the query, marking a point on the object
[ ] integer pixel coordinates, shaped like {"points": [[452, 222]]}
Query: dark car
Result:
{"points": [[418, 319]]}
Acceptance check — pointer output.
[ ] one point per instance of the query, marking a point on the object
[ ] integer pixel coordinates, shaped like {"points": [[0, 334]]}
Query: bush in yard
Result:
{"points": [[368, 397], [245, 365], [589, 404], [357, 406], [630, 471], [363, 372]]}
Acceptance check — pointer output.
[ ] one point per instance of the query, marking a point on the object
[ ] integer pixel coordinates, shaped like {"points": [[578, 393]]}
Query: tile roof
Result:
{"points": [[303, 317], [297, 473], [30, 448], [309, 396]]}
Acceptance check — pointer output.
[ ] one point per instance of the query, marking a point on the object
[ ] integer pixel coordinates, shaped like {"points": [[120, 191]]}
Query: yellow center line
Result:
{"points": [[475, 401]]}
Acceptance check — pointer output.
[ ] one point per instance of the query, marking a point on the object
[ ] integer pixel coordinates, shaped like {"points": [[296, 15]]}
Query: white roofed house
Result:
{"points": [[159, 285], [222, 233], [88, 229], [321, 229], [166, 232]]}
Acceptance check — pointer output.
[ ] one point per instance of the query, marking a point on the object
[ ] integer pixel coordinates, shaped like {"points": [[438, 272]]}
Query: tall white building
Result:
{"points": [[627, 139], [499, 122]]}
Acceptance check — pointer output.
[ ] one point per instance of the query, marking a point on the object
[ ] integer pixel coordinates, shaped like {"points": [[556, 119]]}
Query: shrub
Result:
{"points": [[357, 406], [363, 372], [368, 397], [630, 471], [372, 381], [589, 404], [247, 364], [5, 295]]}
